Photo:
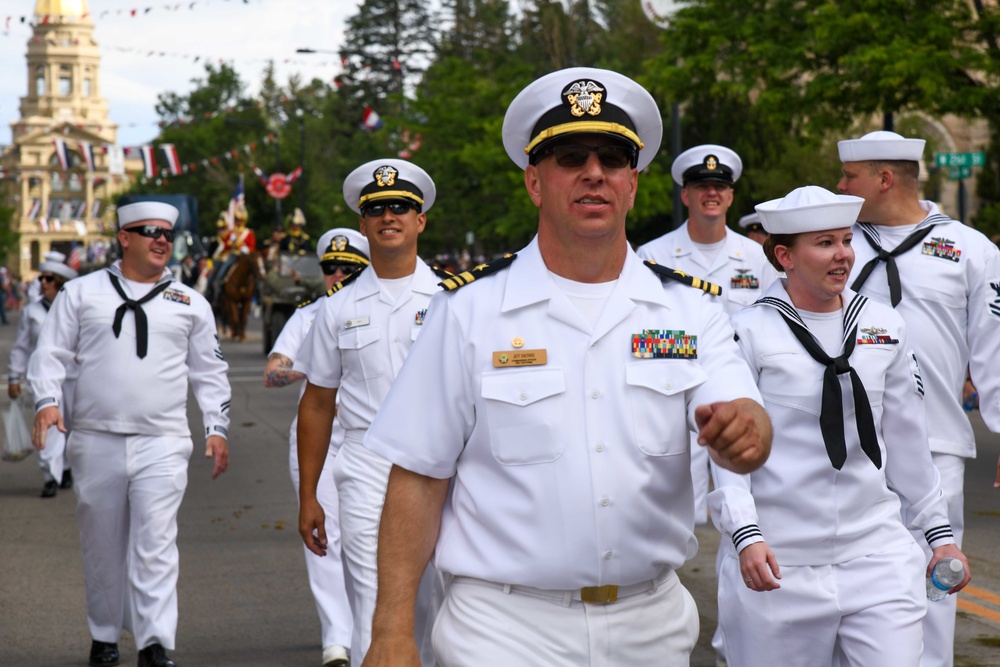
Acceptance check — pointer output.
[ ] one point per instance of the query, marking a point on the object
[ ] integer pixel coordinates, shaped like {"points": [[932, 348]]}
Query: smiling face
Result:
{"points": [[392, 235], [817, 265], [707, 201], [144, 258]]}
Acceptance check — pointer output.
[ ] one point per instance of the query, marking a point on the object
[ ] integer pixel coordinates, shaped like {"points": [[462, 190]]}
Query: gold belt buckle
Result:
{"points": [[602, 594]]}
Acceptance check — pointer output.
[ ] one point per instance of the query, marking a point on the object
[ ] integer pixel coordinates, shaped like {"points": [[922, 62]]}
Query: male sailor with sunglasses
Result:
{"points": [[138, 336], [539, 428], [362, 333]]}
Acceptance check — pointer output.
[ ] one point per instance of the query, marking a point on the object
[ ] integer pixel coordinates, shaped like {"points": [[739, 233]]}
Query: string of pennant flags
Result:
{"points": [[135, 12]]}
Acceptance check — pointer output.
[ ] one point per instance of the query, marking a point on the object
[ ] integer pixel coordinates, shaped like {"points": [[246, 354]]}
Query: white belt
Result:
{"points": [[606, 594]]}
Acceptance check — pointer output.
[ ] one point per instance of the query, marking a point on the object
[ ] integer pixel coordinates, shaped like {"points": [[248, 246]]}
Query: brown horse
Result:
{"points": [[238, 288]]}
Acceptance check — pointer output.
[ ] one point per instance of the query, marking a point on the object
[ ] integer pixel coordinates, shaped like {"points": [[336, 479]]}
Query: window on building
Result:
{"points": [[39, 80], [86, 87], [65, 86]]}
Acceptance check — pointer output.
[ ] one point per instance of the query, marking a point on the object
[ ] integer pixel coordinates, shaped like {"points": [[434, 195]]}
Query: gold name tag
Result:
{"points": [[519, 358]]}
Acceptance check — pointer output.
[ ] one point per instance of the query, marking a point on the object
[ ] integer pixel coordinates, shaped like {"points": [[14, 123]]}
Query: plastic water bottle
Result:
{"points": [[947, 574]]}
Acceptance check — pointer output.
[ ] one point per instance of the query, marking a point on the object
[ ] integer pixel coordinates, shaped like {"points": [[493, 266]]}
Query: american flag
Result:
{"points": [[75, 257], [237, 202]]}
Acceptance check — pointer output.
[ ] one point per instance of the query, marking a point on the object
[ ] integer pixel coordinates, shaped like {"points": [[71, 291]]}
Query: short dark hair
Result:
{"points": [[772, 240], [907, 170]]}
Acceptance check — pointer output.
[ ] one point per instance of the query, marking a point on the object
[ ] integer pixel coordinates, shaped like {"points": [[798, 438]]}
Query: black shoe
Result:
{"points": [[50, 489], [67, 480], [103, 654], [154, 656]]}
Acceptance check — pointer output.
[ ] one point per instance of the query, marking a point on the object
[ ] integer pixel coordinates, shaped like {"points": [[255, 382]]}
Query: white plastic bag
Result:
{"points": [[17, 436]]}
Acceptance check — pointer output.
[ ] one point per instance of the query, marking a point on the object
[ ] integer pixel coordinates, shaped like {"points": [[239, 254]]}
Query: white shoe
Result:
{"points": [[335, 656]]}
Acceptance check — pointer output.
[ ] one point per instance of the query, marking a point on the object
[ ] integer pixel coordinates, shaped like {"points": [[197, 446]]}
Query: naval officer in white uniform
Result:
{"points": [[943, 278], [140, 339], [539, 428], [341, 252], [819, 564], [358, 342]]}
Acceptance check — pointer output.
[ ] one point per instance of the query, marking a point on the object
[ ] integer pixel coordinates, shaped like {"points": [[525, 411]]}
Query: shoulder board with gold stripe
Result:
{"points": [[305, 303], [345, 282], [443, 274], [466, 277], [681, 277]]}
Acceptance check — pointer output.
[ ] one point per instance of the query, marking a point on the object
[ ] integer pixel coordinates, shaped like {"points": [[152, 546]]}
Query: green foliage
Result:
{"points": [[10, 238]]}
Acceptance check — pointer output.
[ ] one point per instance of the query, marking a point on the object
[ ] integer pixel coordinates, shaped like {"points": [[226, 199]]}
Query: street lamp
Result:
{"points": [[336, 53]]}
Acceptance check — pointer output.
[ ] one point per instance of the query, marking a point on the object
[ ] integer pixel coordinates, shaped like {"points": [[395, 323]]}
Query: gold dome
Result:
{"points": [[61, 8]]}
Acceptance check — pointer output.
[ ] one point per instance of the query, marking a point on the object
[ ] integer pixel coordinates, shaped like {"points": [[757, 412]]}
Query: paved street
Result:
{"points": [[244, 598]]}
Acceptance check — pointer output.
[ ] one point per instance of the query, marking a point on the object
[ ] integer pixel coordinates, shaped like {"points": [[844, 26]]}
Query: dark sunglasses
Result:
{"points": [[574, 156], [46, 278], [330, 269], [377, 210], [153, 232]]}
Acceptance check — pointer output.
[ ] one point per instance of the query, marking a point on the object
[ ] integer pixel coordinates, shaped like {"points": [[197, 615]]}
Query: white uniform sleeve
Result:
{"points": [[909, 469], [728, 374], [56, 349], [292, 336], [731, 503], [319, 355], [208, 374], [19, 354], [984, 343]]}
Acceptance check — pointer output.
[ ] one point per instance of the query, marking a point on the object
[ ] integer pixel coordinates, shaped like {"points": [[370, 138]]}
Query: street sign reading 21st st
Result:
{"points": [[960, 159]]}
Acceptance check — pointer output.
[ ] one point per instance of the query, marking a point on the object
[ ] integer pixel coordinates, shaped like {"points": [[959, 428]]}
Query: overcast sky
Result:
{"points": [[245, 33]]}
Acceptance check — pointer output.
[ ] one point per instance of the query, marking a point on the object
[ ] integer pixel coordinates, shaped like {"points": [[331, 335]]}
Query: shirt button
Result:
{"points": [[599, 447], [668, 386], [523, 396], [605, 501], [595, 394], [607, 555]]}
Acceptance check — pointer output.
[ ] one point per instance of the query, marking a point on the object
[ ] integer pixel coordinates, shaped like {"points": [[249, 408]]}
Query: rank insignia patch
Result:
{"points": [[943, 248], [744, 280], [876, 336], [666, 344], [421, 314], [176, 296]]}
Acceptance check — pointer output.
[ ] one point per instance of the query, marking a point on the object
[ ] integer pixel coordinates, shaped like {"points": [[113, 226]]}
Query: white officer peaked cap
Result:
{"points": [[146, 210], [881, 145], [389, 179], [343, 245], [750, 222], [54, 256], [708, 162], [809, 209], [581, 100], [56, 266]]}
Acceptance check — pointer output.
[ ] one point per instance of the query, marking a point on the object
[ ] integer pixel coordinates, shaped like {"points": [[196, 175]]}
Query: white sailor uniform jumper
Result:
{"points": [[131, 434], [817, 504]]}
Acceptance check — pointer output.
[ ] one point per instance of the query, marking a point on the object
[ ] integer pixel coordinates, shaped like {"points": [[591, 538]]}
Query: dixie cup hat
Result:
{"points": [[881, 145], [386, 180], [809, 209], [343, 246], [708, 162], [581, 100], [55, 263], [144, 211]]}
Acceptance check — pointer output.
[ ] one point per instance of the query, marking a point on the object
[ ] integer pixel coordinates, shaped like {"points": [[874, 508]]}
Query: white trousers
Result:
{"points": [[939, 624], [129, 489], [484, 624], [52, 459], [867, 610], [326, 574], [361, 477]]}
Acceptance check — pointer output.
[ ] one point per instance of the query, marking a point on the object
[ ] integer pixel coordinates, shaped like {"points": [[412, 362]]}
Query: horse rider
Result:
{"points": [[296, 240], [238, 240]]}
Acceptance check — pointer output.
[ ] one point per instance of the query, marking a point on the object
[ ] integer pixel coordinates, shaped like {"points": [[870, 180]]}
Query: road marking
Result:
{"points": [[978, 609]]}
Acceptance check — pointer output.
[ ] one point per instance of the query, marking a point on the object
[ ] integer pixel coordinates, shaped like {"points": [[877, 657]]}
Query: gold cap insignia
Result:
{"points": [[385, 176], [584, 98], [711, 163], [338, 243]]}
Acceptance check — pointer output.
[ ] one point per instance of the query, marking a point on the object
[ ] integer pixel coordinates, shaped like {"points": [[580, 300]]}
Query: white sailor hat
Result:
{"points": [[751, 222], [809, 209], [343, 246], [881, 145], [146, 210], [581, 99], [55, 263], [389, 179], [708, 162]]}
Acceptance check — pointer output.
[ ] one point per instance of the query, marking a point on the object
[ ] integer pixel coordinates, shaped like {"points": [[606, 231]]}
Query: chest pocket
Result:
{"points": [[524, 408], [359, 352], [657, 394]]}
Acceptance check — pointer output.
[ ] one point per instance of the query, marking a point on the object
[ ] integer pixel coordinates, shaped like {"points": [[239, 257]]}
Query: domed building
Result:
{"points": [[63, 162]]}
